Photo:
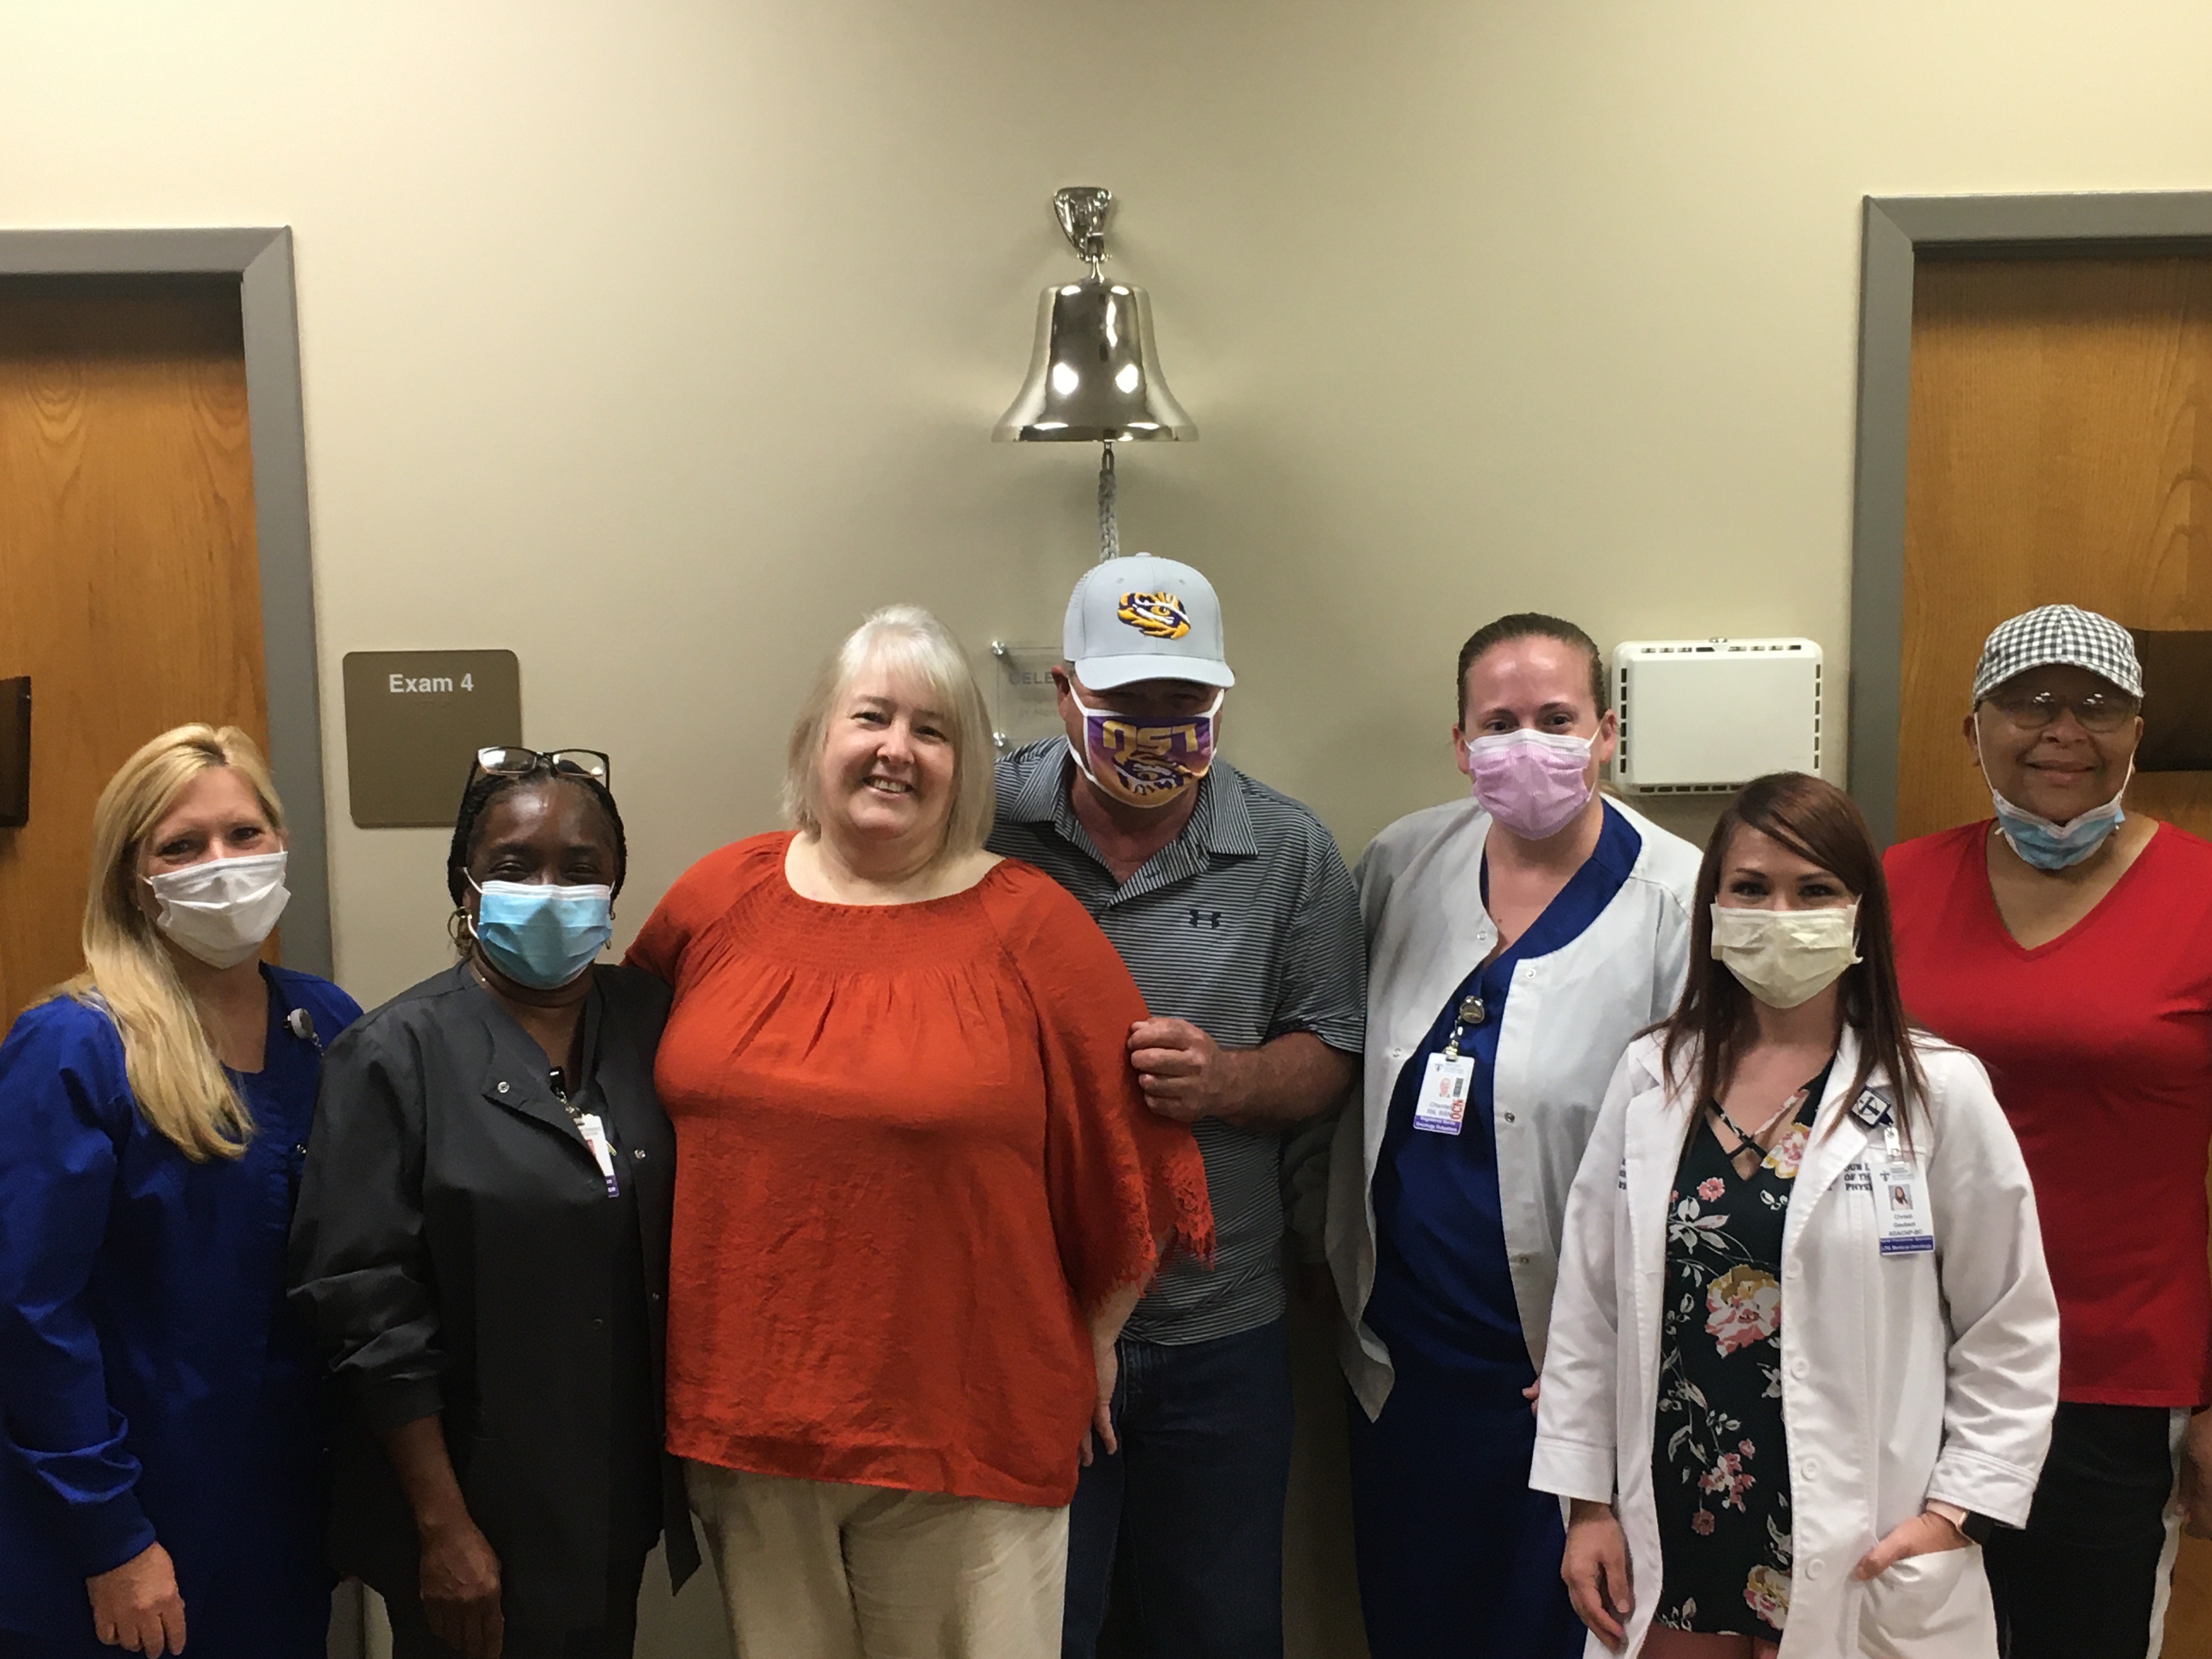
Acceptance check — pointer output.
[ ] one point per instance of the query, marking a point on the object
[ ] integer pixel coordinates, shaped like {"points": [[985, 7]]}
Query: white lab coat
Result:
{"points": [[1569, 1015], [1904, 1377]]}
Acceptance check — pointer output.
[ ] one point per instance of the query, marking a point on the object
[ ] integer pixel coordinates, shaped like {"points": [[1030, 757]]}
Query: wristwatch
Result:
{"points": [[1974, 1529]]}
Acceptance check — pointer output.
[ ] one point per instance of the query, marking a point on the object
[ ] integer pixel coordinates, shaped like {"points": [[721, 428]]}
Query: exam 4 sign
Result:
{"points": [[403, 684], [414, 722]]}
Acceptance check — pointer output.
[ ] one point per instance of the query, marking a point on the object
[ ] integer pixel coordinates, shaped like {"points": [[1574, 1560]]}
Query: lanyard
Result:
{"points": [[588, 1124], [593, 1132]]}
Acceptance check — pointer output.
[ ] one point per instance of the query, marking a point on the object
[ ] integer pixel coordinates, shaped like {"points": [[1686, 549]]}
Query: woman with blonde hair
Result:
{"points": [[160, 1441], [917, 1188]]}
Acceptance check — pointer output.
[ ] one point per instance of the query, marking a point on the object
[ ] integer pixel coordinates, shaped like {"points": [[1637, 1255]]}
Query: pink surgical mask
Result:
{"points": [[1532, 782]]}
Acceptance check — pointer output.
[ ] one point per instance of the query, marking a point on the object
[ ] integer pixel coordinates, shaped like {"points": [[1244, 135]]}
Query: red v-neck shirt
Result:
{"points": [[2100, 1045]]}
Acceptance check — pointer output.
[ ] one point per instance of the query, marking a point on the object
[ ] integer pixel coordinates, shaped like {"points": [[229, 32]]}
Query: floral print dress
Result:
{"points": [[1720, 1467]]}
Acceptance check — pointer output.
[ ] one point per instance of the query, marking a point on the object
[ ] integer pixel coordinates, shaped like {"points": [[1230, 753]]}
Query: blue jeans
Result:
{"points": [[1193, 1502]]}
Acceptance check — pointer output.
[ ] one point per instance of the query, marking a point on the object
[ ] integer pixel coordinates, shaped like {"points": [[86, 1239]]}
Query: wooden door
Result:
{"points": [[129, 590], [2059, 448]]}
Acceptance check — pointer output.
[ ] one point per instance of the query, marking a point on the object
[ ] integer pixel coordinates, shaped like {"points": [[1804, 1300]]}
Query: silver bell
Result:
{"points": [[1094, 376]]}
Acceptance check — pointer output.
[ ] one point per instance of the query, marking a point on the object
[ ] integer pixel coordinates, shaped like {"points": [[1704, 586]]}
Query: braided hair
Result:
{"points": [[488, 787]]}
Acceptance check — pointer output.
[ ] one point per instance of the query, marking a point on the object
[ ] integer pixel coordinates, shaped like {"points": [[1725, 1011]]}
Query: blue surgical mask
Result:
{"points": [[2049, 846], [541, 935]]}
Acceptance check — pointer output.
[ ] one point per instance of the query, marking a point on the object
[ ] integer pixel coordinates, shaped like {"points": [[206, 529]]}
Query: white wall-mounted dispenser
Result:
{"points": [[1708, 715]]}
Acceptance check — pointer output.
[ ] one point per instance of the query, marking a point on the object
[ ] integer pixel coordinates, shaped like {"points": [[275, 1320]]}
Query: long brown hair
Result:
{"points": [[1820, 823]]}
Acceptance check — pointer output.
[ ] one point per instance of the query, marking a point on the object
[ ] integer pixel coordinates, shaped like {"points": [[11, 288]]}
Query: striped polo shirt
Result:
{"points": [[1247, 924]]}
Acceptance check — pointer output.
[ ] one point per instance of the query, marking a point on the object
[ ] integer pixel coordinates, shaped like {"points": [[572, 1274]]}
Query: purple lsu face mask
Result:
{"points": [[1145, 764], [1532, 782]]}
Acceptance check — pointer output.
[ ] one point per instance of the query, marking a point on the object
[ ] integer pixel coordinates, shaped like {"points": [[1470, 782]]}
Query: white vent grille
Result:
{"points": [[1702, 715]]}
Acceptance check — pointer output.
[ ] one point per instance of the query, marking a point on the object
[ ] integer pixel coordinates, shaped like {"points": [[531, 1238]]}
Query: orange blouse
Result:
{"points": [[911, 1156]]}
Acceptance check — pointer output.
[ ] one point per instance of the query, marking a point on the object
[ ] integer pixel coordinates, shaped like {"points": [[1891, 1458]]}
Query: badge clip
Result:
{"points": [[1873, 1107]]}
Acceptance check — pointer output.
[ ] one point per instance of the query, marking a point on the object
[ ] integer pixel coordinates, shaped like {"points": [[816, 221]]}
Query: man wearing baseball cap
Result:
{"points": [[2067, 942], [1237, 918]]}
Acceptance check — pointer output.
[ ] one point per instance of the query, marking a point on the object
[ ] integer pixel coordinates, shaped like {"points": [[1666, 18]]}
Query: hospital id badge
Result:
{"points": [[603, 1151], [1441, 1107], [1899, 1202]]}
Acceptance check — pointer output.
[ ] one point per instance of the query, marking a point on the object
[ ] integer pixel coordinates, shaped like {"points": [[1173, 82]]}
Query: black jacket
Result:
{"points": [[454, 1250]]}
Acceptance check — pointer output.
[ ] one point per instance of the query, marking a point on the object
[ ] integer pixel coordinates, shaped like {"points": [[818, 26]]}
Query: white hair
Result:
{"points": [[908, 642]]}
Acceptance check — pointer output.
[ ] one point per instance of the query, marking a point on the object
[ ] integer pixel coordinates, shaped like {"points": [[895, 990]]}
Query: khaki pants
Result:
{"points": [[820, 1570]]}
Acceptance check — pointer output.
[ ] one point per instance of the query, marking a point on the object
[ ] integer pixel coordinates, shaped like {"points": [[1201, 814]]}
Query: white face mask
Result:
{"points": [[222, 910], [1786, 957]]}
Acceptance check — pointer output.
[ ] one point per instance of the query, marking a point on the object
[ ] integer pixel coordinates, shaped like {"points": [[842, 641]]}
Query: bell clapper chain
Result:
{"points": [[1082, 209], [1109, 531]]}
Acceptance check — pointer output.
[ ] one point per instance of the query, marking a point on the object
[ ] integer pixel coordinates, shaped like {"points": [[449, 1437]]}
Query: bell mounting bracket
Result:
{"points": [[1083, 211]]}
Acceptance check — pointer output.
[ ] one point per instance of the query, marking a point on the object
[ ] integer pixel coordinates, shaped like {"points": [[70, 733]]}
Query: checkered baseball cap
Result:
{"points": [[2058, 634]]}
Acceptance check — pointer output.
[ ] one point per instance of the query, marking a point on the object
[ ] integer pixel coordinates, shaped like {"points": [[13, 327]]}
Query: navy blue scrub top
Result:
{"points": [[152, 1381], [1444, 1290]]}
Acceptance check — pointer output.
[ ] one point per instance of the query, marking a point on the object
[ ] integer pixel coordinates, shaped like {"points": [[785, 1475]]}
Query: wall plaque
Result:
{"points": [[414, 722], [1025, 706]]}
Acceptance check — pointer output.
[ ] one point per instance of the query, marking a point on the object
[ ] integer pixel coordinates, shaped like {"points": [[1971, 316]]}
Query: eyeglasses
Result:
{"points": [[521, 762], [2096, 711]]}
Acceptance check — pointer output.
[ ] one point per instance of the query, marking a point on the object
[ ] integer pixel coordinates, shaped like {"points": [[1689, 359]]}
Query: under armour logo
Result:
{"points": [[1210, 918]]}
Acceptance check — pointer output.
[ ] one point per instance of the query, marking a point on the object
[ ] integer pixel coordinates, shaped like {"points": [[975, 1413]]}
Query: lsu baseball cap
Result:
{"points": [[2059, 634], [1144, 618]]}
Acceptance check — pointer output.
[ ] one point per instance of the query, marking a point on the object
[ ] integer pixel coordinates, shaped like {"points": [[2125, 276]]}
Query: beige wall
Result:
{"points": [[656, 340]]}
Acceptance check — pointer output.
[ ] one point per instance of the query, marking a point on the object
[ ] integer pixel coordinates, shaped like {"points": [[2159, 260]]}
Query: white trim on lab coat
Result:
{"points": [[1569, 1015], [1904, 1377]]}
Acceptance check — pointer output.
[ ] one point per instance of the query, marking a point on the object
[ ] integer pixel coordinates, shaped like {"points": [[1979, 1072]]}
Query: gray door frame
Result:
{"points": [[1897, 230], [261, 260]]}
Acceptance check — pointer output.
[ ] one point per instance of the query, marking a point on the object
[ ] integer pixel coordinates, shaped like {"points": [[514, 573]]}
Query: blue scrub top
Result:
{"points": [[153, 1383], [1444, 1290]]}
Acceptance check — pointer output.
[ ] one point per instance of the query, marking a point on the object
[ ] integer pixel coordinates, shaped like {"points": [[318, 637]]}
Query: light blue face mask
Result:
{"points": [[541, 935], [2049, 846]]}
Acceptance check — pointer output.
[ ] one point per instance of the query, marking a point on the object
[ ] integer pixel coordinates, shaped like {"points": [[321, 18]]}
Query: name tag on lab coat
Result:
{"points": [[1899, 1202], [603, 1151], [1441, 1107]]}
